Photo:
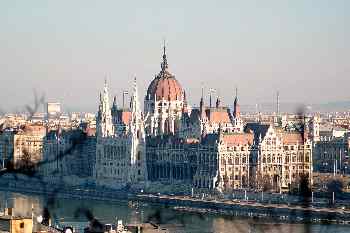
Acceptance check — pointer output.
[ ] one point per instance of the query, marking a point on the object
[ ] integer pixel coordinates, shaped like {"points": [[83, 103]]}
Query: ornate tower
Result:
{"points": [[202, 107], [164, 102], [237, 121], [114, 110], [138, 171], [236, 108], [314, 126], [104, 122]]}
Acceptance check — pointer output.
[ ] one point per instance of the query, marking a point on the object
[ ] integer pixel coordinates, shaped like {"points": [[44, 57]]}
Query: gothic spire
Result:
{"points": [[201, 105], [164, 64], [115, 102], [236, 98], [134, 99], [236, 108], [135, 87], [105, 89], [218, 102]]}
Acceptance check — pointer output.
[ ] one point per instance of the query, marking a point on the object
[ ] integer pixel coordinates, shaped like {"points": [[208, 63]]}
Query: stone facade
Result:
{"points": [[262, 157], [22, 146]]}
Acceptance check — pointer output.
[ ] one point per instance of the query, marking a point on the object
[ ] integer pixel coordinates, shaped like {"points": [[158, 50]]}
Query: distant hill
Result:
{"points": [[336, 106]]}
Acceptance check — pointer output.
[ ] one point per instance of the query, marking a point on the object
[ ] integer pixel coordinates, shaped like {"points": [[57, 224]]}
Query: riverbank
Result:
{"points": [[281, 212], [254, 210], [30, 186]]}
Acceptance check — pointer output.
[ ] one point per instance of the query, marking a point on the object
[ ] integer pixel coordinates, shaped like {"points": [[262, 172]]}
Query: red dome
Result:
{"points": [[164, 85]]}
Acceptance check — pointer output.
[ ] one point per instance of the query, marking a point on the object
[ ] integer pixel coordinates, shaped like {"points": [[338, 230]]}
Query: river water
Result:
{"points": [[73, 212]]}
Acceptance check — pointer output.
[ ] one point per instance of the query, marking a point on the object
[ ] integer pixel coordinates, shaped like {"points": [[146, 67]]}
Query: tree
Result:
{"points": [[304, 186], [335, 185]]}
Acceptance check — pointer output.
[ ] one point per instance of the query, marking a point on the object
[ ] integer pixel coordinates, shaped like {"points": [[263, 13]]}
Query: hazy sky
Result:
{"points": [[65, 49]]}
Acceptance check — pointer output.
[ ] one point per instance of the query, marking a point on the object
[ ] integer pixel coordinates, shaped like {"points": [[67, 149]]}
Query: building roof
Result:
{"points": [[165, 86], [291, 138], [218, 115], [238, 139]]}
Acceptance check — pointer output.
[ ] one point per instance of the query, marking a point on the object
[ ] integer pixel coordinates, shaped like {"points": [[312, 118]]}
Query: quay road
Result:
{"points": [[252, 209]]}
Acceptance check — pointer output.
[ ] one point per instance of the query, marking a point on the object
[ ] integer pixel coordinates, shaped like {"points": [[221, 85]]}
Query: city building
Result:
{"points": [[14, 224], [53, 110], [68, 153], [331, 154], [22, 146]]}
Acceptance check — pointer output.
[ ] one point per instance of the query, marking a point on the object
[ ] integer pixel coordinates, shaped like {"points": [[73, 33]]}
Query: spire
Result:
{"points": [[211, 91], [236, 108], [236, 97], [134, 104], [201, 103], [105, 88], [115, 102], [202, 90], [164, 64], [218, 102], [135, 87], [220, 132]]}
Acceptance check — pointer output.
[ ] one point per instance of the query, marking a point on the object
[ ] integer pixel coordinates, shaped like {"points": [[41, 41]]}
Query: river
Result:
{"points": [[73, 212]]}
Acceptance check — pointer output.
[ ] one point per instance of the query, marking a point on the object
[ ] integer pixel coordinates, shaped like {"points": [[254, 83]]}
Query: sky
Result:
{"points": [[65, 49]]}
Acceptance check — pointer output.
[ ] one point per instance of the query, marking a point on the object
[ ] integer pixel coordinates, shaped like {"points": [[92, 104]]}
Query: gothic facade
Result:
{"points": [[120, 143], [261, 157]]}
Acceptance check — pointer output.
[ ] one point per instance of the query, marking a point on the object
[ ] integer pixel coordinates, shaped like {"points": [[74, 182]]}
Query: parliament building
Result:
{"points": [[209, 147]]}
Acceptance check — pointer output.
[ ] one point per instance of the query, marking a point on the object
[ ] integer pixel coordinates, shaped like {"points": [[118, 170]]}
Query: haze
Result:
{"points": [[65, 49]]}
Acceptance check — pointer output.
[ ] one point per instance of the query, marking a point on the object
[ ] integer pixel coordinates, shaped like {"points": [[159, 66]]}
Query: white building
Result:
{"points": [[120, 148]]}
